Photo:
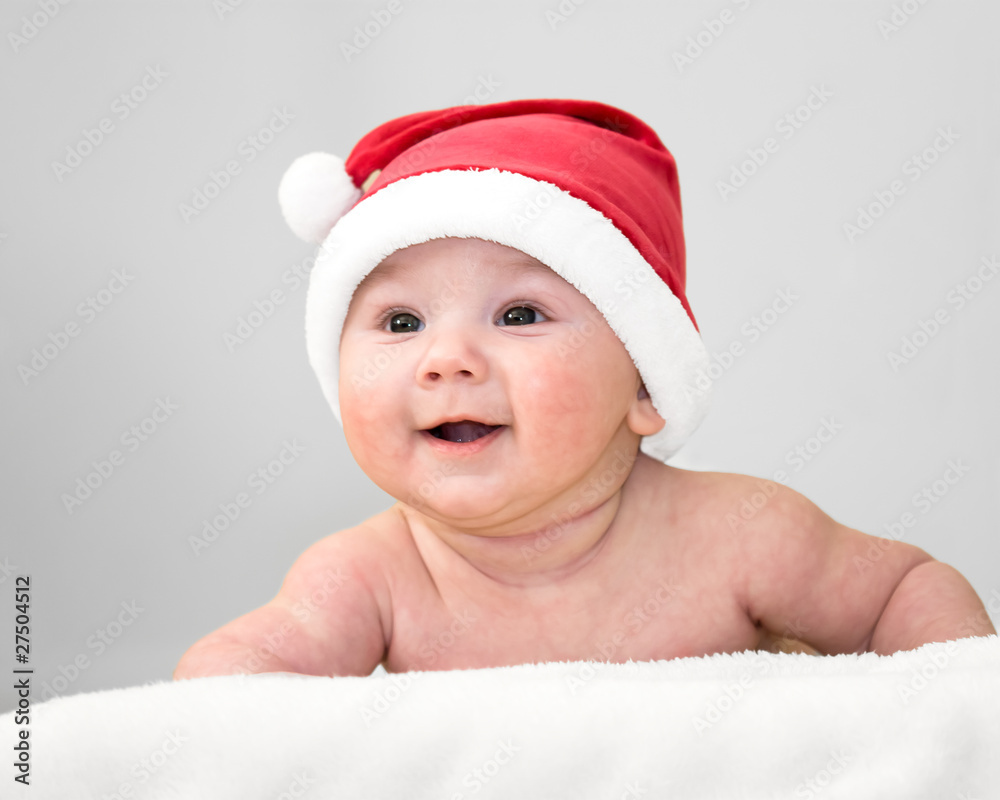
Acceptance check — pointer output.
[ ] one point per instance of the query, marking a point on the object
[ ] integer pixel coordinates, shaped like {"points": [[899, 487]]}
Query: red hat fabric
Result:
{"points": [[585, 188]]}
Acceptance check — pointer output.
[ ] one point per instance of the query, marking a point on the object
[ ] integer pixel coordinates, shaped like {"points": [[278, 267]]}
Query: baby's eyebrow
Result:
{"points": [[400, 270], [533, 266], [528, 267], [393, 271]]}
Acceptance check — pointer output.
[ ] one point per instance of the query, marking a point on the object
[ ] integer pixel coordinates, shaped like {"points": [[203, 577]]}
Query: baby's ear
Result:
{"points": [[642, 418]]}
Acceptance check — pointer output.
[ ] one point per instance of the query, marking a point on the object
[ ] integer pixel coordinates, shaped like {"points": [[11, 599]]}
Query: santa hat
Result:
{"points": [[585, 188]]}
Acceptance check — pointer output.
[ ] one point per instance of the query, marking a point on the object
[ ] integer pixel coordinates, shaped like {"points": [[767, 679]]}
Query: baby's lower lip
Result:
{"points": [[462, 432], [463, 448]]}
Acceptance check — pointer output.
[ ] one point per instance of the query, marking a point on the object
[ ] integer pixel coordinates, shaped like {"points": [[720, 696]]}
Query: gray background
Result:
{"points": [[162, 337]]}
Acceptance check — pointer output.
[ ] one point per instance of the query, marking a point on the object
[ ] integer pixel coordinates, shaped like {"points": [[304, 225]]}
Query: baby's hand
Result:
{"points": [[214, 655], [326, 620]]}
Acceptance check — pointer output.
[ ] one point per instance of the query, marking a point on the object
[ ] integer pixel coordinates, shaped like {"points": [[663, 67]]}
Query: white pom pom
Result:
{"points": [[314, 193]]}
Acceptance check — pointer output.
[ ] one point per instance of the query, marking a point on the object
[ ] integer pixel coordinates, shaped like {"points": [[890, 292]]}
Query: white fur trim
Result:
{"points": [[314, 193], [540, 219]]}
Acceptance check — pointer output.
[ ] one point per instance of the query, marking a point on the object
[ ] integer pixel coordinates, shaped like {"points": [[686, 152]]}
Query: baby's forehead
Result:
{"points": [[469, 256]]}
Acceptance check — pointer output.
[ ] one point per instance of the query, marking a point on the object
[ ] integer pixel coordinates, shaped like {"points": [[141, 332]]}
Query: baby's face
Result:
{"points": [[478, 386]]}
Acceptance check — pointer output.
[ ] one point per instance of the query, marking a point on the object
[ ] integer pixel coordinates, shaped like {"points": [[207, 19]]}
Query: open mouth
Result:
{"points": [[462, 431]]}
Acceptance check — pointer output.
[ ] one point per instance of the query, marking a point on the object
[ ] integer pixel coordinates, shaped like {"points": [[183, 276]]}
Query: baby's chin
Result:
{"points": [[475, 512], [505, 526]]}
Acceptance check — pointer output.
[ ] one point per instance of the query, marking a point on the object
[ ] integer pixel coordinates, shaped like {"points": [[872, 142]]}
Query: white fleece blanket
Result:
{"points": [[918, 724]]}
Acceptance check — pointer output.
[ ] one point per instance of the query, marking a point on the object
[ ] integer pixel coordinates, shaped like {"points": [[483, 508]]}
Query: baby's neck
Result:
{"points": [[544, 550]]}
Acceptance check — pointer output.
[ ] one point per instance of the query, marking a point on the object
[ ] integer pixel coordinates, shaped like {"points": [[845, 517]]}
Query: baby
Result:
{"points": [[498, 318]]}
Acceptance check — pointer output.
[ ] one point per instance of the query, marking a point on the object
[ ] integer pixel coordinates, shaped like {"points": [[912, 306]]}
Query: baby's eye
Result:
{"points": [[404, 322], [521, 315]]}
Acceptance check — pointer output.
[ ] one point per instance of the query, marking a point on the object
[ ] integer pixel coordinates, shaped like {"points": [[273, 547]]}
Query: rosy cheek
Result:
{"points": [[367, 428], [552, 393], [585, 385], [364, 371], [359, 401]]}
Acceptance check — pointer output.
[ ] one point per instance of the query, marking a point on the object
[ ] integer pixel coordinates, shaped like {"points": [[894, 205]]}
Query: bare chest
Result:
{"points": [[664, 589], [647, 620]]}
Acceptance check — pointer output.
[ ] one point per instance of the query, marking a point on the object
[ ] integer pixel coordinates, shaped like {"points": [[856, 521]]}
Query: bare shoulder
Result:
{"points": [[739, 527], [727, 501], [798, 572], [360, 555], [714, 501]]}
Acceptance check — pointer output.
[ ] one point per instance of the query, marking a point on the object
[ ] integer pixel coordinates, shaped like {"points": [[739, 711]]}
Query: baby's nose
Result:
{"points": [[452, 355]]}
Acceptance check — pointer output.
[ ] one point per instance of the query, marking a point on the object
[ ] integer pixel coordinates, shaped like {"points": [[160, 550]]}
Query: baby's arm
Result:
{"points": [[841, 591], [327, 619], [932, 603]]}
